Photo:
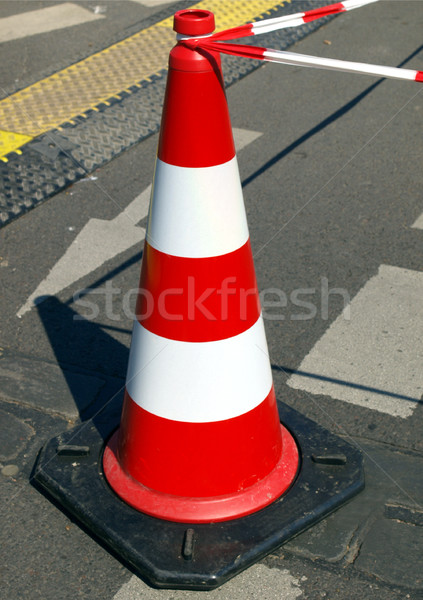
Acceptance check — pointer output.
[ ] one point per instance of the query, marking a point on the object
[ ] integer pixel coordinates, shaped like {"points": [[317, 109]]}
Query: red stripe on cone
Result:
{"points": [[252, 493], [195, 102], [198, 299], [169, 452]]}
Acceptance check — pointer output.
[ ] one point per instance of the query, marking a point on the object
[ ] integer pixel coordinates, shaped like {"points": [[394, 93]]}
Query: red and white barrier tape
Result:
{"points": [[291, 58], [294, 20], [215, 42]]}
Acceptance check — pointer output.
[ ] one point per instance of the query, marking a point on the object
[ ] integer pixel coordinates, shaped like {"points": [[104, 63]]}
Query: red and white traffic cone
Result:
{"points": [[200, 438]]}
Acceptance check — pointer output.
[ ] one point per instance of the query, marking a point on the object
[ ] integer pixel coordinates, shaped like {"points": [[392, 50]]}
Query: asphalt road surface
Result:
{"points": [[331, 168]]}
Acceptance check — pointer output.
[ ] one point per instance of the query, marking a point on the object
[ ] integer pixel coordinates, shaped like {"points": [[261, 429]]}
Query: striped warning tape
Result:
{"points": [[216, 43], [268, 25], [303, 60]]}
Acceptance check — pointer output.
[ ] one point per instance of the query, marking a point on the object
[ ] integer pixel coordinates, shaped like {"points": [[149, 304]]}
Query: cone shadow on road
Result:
{"points": [[322, 125], [100, 384]]}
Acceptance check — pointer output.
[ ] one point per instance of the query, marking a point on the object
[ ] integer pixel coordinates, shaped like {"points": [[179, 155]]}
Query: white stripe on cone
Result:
{"points": [[199, 382], [197, 212]]}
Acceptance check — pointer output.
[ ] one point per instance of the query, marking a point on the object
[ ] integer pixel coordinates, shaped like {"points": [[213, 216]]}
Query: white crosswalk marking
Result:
{"points": [[101, 240], [374, 359], [44, 20]]}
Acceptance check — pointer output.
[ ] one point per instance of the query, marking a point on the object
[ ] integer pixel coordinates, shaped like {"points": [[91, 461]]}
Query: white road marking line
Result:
{"points": [[101, 240], [244, 137], [374, 359], [256, 582], [96, 243], [418, 224], [44, 20]]}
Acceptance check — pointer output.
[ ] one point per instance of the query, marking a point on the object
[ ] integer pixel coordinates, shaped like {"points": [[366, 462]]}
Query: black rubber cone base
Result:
{"points": [[197, 556]]}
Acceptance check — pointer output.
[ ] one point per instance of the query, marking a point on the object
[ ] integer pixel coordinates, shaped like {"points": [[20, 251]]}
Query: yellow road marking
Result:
{"points": [[84, 85], [10, 142]]}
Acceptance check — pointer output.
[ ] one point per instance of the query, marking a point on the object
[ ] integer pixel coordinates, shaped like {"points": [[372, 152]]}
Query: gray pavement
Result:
{"points": [[332, 189]]}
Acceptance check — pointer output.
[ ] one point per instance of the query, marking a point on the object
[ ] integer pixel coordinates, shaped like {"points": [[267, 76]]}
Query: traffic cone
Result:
{"points": [[199, 479], [200, 438]]}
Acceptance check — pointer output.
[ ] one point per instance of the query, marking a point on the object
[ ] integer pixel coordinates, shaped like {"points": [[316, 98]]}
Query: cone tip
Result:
{"points": [[193, 22]]}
